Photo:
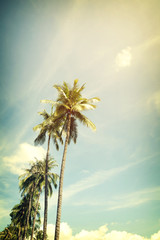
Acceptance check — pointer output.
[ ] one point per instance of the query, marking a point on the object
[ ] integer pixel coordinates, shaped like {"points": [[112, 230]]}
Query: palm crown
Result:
{"points": [[49, 126], [71, 103]]}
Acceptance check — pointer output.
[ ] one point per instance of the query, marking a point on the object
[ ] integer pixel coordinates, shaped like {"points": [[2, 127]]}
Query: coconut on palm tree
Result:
{"points": [[50, 127], [69, 107]]}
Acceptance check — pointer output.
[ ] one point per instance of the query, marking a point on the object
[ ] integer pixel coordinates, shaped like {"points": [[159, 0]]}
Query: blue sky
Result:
{"points": [[111, 175]]}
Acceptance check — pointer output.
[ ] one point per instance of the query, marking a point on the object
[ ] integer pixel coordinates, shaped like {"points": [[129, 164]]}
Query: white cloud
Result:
{"points": [[98, 178], [123, 59], [66, 231], [124, 201], [154, 101], [155, 236], [94, 235], [117, 235], [150, 42], [3, 209], [23, 155], [4, 212], [135, 199], [93, 180], [100, 234]]}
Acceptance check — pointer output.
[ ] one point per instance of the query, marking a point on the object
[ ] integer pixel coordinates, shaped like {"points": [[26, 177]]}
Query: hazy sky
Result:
{"points": [[112, 175]]}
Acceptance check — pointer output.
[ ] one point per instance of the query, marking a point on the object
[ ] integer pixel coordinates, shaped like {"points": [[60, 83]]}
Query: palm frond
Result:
{"points": [[38, 127], [94, 100], [41, 137], [81, 88], [61, 92], [54, 138], [66, 88], [73, 131], [82, 118], [49, 101], [50, 190], [44, 114], [75, 83], [83, 107]]}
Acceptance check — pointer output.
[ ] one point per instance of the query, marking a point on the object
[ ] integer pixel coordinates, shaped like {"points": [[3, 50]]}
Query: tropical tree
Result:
{"points": [[33, 180], [27, 185], [52, 129], [52, 180], [39, 235], [19, 215], [9, 233], [69, 107]]}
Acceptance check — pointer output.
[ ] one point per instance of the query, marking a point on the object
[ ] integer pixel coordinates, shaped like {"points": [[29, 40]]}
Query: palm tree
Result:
{"points": [[19, 215], [27, 185], [51, 128], [52, 179], [33, 180], [69, 106]]}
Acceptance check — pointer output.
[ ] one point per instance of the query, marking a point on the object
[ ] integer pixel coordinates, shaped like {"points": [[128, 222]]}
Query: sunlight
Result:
{"points": [[124, 58]]}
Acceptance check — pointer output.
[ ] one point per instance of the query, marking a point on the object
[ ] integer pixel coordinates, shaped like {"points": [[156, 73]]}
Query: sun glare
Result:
{"points": [[124, 58]]}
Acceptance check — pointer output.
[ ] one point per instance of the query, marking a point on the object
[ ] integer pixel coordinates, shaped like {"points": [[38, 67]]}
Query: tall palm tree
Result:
{"points": [[52, 179], [69, 106], [27, 185], [19, 215], [51, 128], [34, 180]]}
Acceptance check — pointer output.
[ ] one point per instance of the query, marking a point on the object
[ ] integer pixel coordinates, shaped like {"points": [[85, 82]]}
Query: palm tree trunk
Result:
{"points": [[46, 193], [35, 213], [59, 206], [19, 233]]}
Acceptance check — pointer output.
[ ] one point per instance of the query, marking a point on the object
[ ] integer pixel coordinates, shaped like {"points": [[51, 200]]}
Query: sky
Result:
{"points": [[111, 182]]}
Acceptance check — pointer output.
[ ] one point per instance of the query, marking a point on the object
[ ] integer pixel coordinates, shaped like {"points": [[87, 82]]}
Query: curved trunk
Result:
{"points": [[35, 213], [46, 193], [59, 206]]}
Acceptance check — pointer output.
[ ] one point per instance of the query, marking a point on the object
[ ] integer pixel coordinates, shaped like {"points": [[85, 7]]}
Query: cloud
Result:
{"points": [[100, 234], [156, 236], [93, 180], [150, 42], [4, 212], [135, 199], [23, 155], [154, 101], [3, 209], [94, 235], [66, 231], [98, 178], [124, 201], [123, 59]]}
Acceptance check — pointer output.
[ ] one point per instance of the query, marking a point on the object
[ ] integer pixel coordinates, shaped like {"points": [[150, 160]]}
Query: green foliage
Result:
{"points": [[39, 235], [50, 126], [70, 101], [10, 233]]}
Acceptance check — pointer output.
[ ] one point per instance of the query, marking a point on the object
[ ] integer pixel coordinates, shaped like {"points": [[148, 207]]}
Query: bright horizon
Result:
{"points": [[111, 180]]}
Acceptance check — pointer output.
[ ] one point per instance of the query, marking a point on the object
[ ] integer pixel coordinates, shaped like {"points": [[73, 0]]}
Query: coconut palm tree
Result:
{"points": [[69, 107], [27, 185], [33, 180], [50, 127], [19, 215], [52, 180]]}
